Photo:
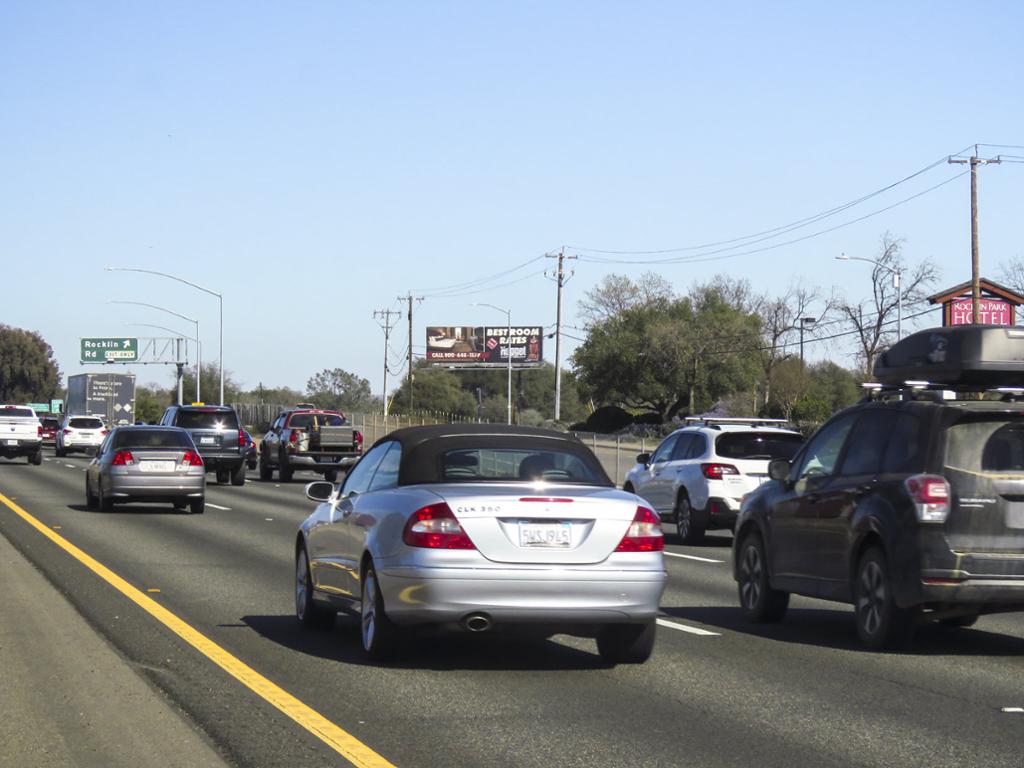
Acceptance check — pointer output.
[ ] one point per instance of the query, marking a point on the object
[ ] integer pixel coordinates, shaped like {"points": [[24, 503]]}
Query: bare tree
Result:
{"points": [[781, 318], [872, 319], [616, 293], [1011, 274]]}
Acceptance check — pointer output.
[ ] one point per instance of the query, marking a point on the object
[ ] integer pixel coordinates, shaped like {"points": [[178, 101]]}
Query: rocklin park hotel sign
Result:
{"points": [[998, 305]]}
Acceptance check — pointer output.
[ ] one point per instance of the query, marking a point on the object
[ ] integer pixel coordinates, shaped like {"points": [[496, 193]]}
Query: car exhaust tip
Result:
{"points": [[477, 622]]}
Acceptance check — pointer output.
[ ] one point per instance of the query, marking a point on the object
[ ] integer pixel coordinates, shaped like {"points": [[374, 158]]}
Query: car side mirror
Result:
{"points": [[643, 458], [778, 469], [319, 490]]}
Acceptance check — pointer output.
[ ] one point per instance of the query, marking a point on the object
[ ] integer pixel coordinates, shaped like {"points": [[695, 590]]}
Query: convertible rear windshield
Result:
{"points": [[757, 445], [85, 423], [153, 438], [316, 420], [207, 420], [475, 465]]}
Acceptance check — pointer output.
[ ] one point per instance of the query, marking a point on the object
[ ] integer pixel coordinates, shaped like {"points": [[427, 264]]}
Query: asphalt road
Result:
{"points": [[717, 692]]}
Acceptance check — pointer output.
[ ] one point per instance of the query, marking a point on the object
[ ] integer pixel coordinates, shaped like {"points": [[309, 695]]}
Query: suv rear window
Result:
{"points": [[985, 446], [306, 420], [85, 423], [51, 423], [206, 420], [757, 445]]}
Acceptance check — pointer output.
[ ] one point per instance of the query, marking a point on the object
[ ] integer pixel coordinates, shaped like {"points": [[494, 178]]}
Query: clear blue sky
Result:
{"points": [[314, 160]]}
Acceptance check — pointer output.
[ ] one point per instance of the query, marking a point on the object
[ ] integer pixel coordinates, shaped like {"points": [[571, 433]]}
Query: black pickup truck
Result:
{"points": [[309, 438]]}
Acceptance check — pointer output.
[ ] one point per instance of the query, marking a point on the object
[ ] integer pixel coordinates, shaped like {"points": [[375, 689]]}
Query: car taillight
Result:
{"points": [[123, 459], [930, 494], [241, 440], [644, 533], [40, 431], [103, 432], [66, 431], [192, 458], [435, 527], [715, 471], [359, 439]]}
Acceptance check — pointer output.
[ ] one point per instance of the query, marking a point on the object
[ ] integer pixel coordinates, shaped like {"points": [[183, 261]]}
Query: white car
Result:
{"points": [[79, 433], [698, 475]]}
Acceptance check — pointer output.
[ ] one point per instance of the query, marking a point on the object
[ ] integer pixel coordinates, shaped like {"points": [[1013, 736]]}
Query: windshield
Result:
{"points": [[474, 465], [207, 420], [757, 445]]}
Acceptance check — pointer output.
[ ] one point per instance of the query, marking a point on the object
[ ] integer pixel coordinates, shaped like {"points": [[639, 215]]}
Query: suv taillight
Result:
{"points": [[192, 458], [66, 431], [715, 471], [40, 430], [241, 439], [644, 533], [930, 494], [123, 459], [435, 527]]}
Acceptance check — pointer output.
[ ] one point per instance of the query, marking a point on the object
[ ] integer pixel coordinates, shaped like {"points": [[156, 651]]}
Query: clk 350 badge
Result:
{"points": [[485, 508]]}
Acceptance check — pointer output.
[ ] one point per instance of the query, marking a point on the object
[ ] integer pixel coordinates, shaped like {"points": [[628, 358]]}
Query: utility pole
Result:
{"points": [[410, 298], [974, 161], [561, 279], [383, 318]]}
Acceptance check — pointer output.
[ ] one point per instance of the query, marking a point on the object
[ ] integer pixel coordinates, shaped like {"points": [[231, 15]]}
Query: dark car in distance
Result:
{"points": [[908, 505], [50, 426], [218, 437]]}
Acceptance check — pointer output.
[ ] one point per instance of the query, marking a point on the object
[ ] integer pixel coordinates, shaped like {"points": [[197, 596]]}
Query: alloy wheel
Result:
{"points": [[751, 571], [301, 583], [871, 602], [683, 518], [369, 609]]}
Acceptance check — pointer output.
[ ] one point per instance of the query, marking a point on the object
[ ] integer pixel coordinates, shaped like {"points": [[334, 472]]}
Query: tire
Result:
{"points": [[180, 503], [758, 601], [378, 634], [627, 643], [690, 532], [223, 476], [107, 505], [331, 475], [266, 471], [880, 622], [197, 506], [628, 488], [961, 622], [90, 498], [285, 471], [36, 458], [307, 611], [60, 453], [238, 475]]}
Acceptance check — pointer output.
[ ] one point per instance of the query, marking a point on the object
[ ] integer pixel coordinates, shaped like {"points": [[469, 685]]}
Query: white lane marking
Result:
{"points": [[1013, 710], [685, 628], [692, 557], [218, 506]]}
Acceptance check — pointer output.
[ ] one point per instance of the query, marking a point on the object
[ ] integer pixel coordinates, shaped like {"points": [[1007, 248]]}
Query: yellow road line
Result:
{"points": [[342, 742]]}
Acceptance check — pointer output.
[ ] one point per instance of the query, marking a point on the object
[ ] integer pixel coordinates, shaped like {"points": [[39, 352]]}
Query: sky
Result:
{"points": [[313, 161]]}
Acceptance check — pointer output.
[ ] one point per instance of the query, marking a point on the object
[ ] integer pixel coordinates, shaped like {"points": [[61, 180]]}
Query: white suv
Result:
{"points": [[699, 474], [79, 433]]}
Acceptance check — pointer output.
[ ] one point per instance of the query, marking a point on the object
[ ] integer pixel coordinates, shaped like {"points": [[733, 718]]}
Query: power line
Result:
{"points": [[430, 292]]}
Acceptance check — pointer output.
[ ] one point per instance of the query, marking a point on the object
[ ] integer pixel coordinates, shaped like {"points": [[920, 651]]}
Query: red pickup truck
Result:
{"points": [[309, 438]]}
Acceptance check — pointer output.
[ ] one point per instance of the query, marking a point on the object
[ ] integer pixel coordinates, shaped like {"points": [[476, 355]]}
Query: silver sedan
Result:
{"points": [[146, 463], [474, 527]]}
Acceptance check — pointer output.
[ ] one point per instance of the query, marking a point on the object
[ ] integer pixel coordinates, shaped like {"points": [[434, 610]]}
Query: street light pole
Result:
{"points": [[897, 281], [508, 349], [805, 322], [219, 296], [199, 344]]}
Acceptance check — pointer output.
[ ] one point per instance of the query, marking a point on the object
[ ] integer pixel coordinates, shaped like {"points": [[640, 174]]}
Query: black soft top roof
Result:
{"points": [[422, 447]]}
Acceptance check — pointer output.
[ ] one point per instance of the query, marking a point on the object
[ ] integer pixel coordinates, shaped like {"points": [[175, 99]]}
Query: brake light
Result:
{"points": [[930, 494], [192, 458], [359, 439], [123, 459], [715, 471], [103, 432], [547, 499], [435, 527], [241, 439], [66, 431], [644, 533], [40, 430]]}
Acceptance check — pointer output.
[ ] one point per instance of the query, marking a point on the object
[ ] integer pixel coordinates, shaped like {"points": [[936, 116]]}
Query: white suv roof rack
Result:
{"points": [[735, 420]]}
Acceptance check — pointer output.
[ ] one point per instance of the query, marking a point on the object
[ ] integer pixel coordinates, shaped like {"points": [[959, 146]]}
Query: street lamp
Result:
{"points": [[805, 322], [897, 282], [199, 345], [508, 348], [220, 298], [199, 353]]}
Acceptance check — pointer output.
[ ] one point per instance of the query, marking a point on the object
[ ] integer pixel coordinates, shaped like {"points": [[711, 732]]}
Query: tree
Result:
{"points": [[790, 383], [617, 293], [872, 320], [28, 372], [272, 396], [437, 389], [151, 400], [781, 318], [1011, 274], [209, 385], [340, 390]]}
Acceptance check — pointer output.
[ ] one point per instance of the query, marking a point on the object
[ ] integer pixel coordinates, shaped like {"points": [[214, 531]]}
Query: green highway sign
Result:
{"points": [[110, 350]]}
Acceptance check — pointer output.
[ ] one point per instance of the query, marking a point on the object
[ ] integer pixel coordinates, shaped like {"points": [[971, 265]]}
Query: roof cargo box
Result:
{"points": [[967, 355]]}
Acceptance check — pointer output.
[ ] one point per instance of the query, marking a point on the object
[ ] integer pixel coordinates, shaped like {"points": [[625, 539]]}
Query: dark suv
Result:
{"points": [[909, 505], [218, 437]]}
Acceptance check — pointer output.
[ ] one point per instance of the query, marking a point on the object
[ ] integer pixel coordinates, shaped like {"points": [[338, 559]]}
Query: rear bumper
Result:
{"points": [[156, 488], [20, 448], [419, 595], [215, 461], [322, 463]]}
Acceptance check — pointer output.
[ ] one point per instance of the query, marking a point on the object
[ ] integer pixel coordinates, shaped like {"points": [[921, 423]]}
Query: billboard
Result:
{"points": [[990, 312], [485, 345]]}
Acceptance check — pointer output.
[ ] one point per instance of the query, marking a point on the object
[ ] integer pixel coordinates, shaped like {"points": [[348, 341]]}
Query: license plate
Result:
{"points": [[156, 466], [207, 440], [12, 442], [545, 535]]}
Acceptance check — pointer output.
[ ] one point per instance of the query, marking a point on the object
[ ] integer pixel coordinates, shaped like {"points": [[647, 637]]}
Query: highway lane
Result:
{"points": [[800, 693]]}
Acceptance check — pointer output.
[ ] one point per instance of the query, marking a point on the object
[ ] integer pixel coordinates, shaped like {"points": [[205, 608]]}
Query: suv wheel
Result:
{"points": [[238, 475], [266, 471], [757, 598], [223, 476], [880, 622], [690, 532], [285, 471]]}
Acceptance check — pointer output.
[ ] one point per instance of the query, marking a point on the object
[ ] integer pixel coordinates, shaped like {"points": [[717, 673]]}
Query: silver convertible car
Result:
{"points": [[473, 527], [146, 463]]}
